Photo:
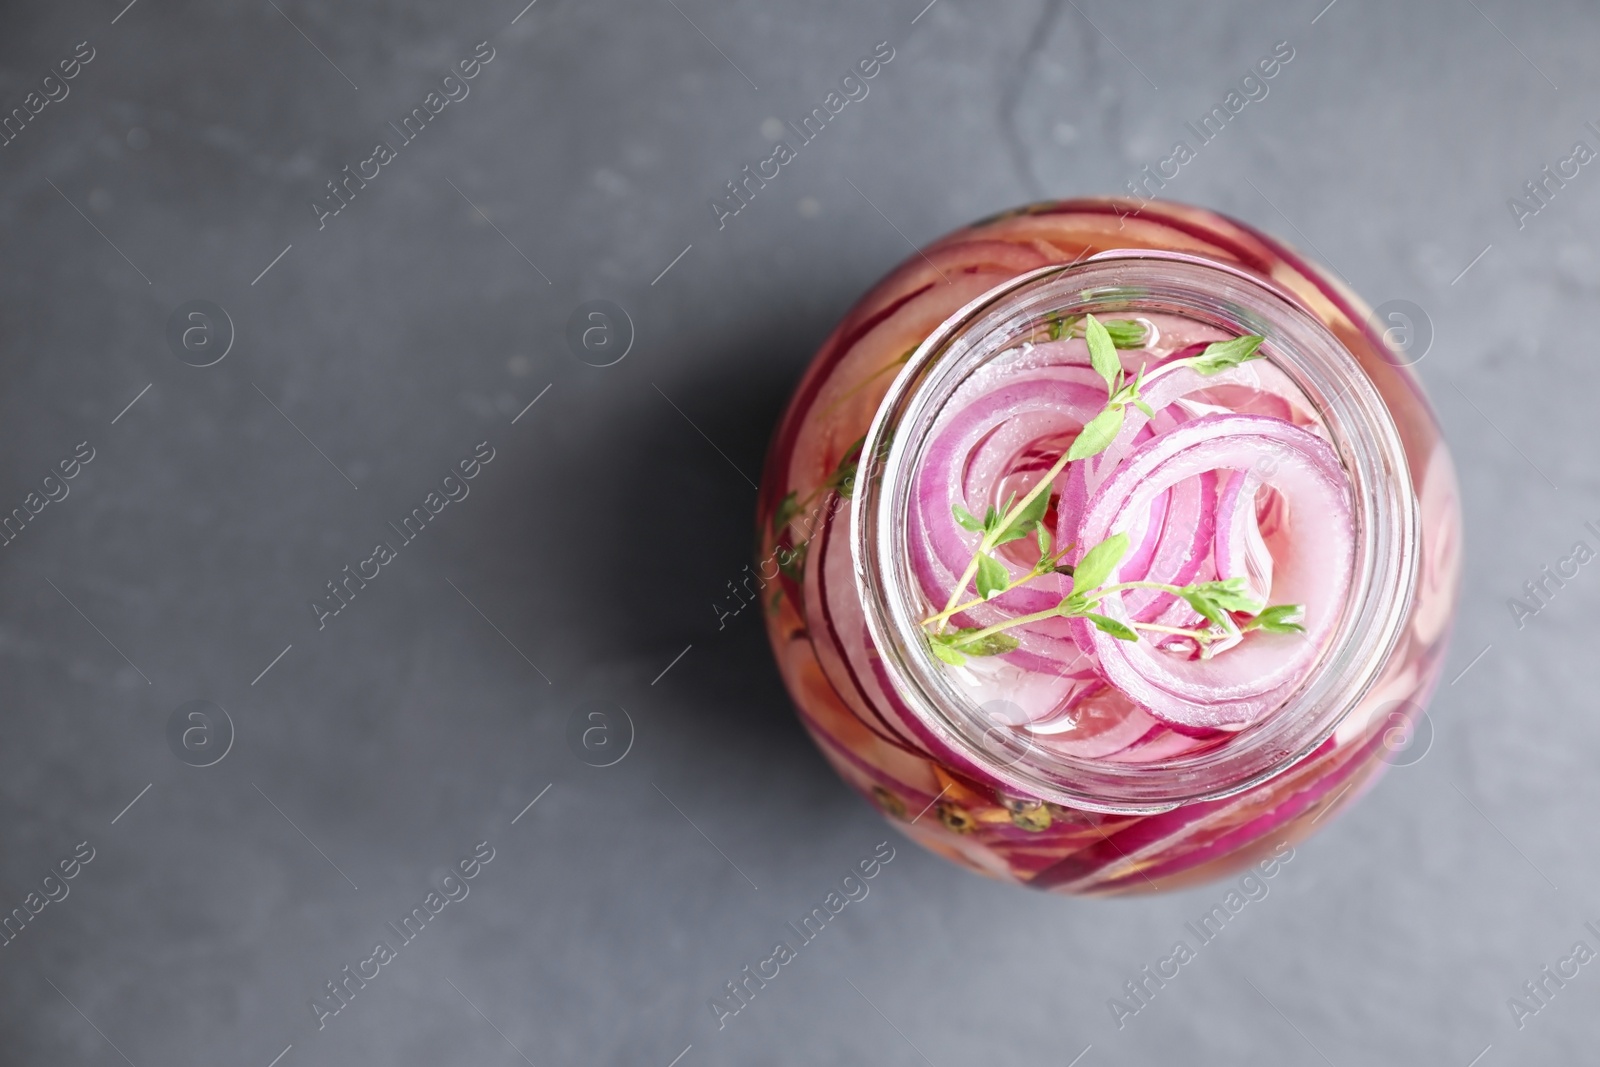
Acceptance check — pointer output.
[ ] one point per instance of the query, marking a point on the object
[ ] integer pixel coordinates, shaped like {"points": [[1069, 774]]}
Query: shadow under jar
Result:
{"points": [[1161, 745]]}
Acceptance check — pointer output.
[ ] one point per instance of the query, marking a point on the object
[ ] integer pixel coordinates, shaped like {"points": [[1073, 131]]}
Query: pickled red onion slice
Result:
{"points": [[971, 453], [1097, 722], [1160, 744], [1312, 566], [1148, 537], [1241, 551], [1180, 552]]}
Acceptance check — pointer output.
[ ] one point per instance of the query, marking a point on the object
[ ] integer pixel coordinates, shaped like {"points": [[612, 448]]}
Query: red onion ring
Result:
{"points": [[1240, 550], [968, 456], [1249, 680]]}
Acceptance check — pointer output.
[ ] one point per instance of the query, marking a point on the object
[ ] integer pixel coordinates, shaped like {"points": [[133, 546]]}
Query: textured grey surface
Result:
{"points": [[598, 539]]}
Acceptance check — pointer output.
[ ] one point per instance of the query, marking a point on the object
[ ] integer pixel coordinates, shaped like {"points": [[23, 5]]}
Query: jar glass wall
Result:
{"points": [[838, 586]]}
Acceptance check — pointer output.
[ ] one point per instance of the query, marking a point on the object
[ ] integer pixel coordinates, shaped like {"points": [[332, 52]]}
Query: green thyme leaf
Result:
{"points": [[1220, 355], [794, 568], [788, 508], [1026, 519], [1230, 595], [941, 648], [992, 577], [1062, 327], [1215, 600], [1098, 435], [1097, 564], [1206, 607], [1105, 623], [1072, 605], [1043, 536], [1126, 333], [1279, 619], [1142, 406], [1035, 509], [992, 645], [1102, 353], [843, 478], [967, 519]]}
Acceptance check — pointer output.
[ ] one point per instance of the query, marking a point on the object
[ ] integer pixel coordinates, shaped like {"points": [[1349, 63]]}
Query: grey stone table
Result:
{"points": [[359, 761]]}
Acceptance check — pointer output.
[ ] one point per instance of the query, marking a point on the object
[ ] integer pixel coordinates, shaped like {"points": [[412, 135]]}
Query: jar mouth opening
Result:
{"points": [[1126, 283]]}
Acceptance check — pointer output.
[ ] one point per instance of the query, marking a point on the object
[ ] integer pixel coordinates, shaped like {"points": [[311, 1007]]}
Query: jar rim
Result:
{"points": [[1358, 423]]}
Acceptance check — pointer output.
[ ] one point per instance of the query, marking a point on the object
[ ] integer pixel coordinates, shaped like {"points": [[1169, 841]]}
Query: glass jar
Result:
{"points": [[839, 589]]}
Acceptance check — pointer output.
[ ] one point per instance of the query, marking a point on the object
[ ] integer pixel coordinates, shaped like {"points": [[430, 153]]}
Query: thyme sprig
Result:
{"points": [[1124, 333], [1122, 392], [993, 579], [1019, 518], [1225, 605]]}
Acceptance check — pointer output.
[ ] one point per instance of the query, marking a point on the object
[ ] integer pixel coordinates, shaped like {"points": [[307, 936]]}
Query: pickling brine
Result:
{"points": [[1108, 550]]}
